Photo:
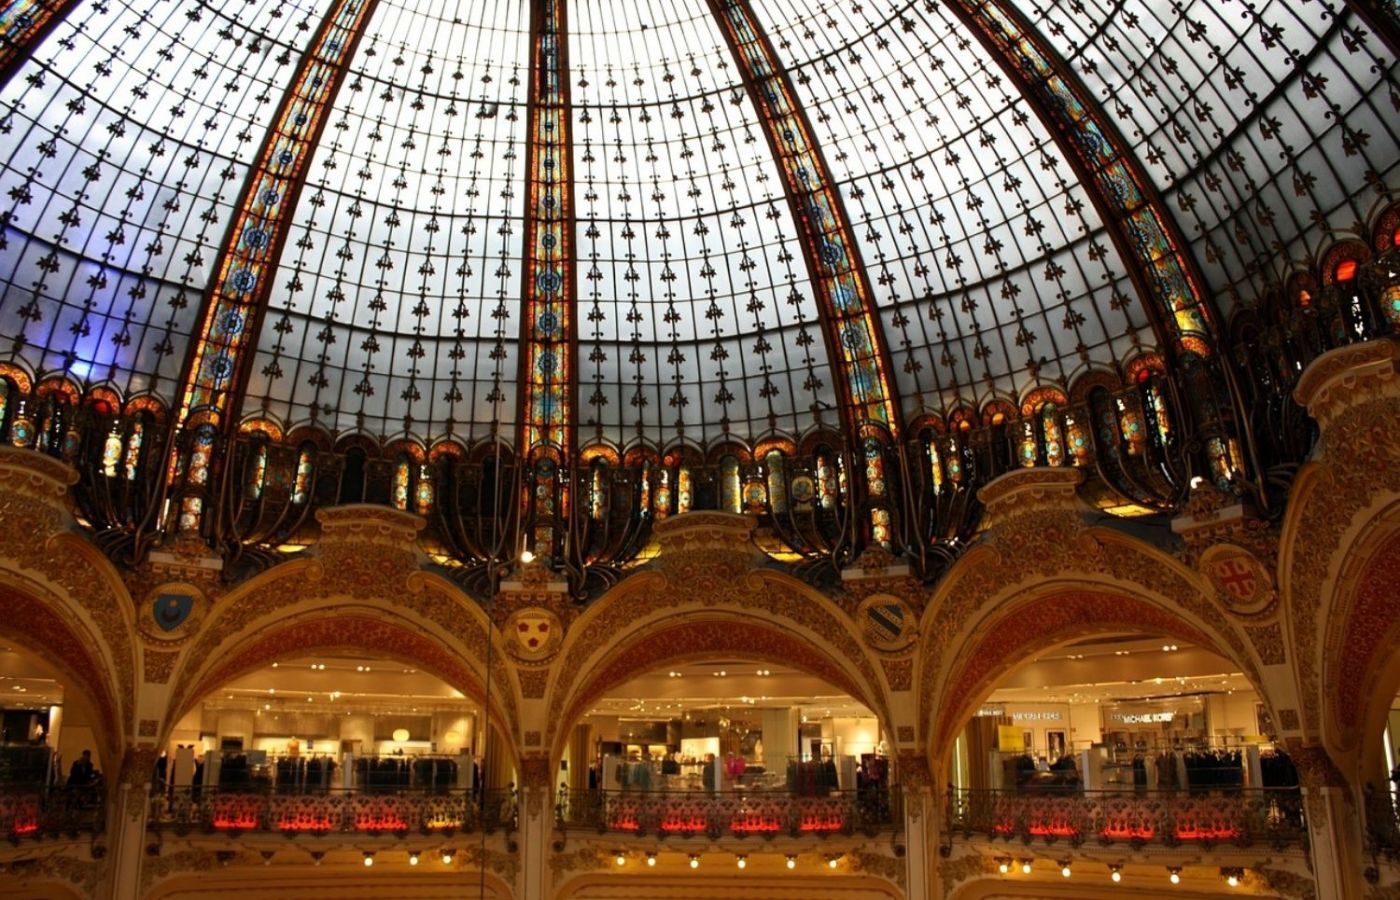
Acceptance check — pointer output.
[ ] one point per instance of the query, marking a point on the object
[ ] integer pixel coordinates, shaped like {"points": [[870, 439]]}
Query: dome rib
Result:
{"points": [[216, 367], [549, 291], [1170, 287], [856, 343]]}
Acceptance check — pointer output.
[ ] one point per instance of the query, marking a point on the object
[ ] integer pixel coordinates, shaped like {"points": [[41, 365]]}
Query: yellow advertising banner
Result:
{"points": [[1010, 737]]}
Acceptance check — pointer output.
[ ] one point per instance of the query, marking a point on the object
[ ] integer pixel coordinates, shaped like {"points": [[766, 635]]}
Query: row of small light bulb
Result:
{"points": [[741, 860], [1232, 877], [447, 856]]}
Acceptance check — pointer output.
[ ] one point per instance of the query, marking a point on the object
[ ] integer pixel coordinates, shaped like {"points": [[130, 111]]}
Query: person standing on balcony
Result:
{"points": [[83, 773]]}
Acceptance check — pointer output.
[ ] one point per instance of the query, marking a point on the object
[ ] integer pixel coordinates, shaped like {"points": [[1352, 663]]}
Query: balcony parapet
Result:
{"points": [[50, 815], [1202, 821], [347, 813], [731, 814]]}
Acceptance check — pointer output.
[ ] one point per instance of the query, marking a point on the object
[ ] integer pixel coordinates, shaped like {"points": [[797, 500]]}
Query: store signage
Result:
{"points": [[1142, 718], [1021, 715]]}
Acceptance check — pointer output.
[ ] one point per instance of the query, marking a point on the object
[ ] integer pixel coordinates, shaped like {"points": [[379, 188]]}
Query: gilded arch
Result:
{"points": [[1012, 633], [1037, 544], [356, 629], [366, 564], [1361, 650], [39, 626], [707, 573]]}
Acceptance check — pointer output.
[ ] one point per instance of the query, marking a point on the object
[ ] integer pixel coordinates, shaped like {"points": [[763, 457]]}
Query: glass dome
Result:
{"points": [[398, 293]]}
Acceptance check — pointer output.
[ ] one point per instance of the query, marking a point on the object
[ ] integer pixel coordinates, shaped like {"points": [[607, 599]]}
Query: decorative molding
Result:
{"points": [[1268, 643], [158, 665], [1354, 394], [899, 673], [533, 683]]}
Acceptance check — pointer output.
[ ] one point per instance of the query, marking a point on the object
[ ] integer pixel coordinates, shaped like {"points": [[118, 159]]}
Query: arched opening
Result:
{"points": [[55, 757], [351, 725], [1363, 681], [713, 733], [295, 871], [1098, 716]]}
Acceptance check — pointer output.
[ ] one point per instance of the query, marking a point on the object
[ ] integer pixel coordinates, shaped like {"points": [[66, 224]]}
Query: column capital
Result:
{"points": [[1349, 377]]}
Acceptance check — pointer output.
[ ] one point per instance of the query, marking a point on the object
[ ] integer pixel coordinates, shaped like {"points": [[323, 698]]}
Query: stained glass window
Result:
{"points": [[777, 482], [302, 480], [729, 499], [403, 483], [423, 493], [257, 472], [133, 449], [684, 491]]}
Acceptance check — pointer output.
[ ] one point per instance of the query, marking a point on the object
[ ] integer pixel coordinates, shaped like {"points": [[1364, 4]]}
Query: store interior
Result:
{"points": [[44, 725], [1121, 712], [1110, 713], [727, 724]]}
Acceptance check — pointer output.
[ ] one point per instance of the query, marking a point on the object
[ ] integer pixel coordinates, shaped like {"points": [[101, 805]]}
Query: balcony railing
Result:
{"points": [[38, 813], [212, 810], [730, 813], [1240, 817]]}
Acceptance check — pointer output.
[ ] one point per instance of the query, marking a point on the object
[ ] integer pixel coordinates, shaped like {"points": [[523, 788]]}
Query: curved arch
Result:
{"points": [[247, 877], [788, 886], [367, 568], [35, 625], [1361, 650], [704, 636], [345, 628], [707, 571], [1013, 633], [1037, 545]]}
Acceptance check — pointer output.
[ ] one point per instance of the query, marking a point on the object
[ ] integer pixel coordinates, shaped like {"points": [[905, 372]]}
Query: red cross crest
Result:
{"points": [[1237, 578]]}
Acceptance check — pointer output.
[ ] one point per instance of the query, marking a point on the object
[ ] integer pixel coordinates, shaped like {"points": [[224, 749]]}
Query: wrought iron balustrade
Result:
{"points": [[730, 813], [39, 813], [1239, 817], [213, 810]]}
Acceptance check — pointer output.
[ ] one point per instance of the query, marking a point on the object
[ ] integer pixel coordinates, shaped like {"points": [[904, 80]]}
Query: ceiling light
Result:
{"points": [[695, 860], [1003, 865], [1115, 874], [621, 858], [369, 859], [1064, 869], [791, 861], [832, 862], [651, 859], [447, 857], [741, 861], [413, 857], [1174, 874]]}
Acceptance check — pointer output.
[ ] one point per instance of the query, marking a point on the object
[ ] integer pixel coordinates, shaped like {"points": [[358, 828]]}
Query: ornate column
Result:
{"points": [[1334, 820], [920, 827], [536, 824], [128, 805]]}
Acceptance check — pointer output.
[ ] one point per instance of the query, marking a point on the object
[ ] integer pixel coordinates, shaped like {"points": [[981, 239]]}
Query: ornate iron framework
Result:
{"points": [[217, 366], [856, 343], [1137, 218], [23, 24]]}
